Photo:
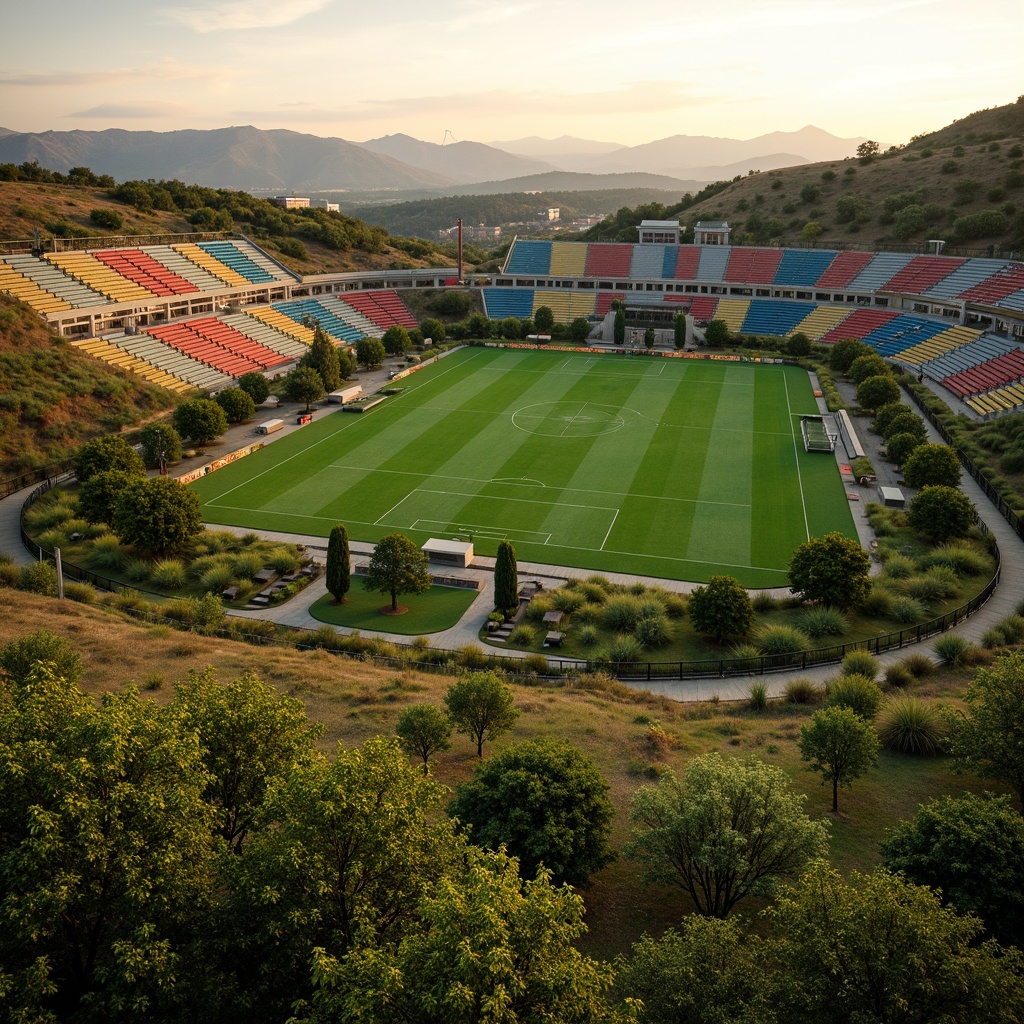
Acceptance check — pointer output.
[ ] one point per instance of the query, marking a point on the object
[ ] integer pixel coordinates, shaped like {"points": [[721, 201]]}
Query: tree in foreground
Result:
{"points": [[942, 513], [370, 352], [106, 453], [396, 340], [721, 609], [878, 949], [830, 570], [481, 706], [396, 567], [799, 345], [729, 830], [98, 496], [256, 385], [544, 319], [971, 849], [323, 357], [932, 465], [157, 515], [839, 744], [304, 384], [904, 421], [506, 578], [338, 572], [159, 441], [546, 803], [238, 404], [424, 729], [987, 733], [487, 946], [20, 656], [201, 420], [878, 391]]}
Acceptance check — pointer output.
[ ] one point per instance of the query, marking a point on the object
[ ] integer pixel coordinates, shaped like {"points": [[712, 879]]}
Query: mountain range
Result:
{"points": [[280, 160]]}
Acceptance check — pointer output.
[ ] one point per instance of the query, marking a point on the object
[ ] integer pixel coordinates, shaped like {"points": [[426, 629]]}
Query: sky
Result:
{"points": [[487, 70]]}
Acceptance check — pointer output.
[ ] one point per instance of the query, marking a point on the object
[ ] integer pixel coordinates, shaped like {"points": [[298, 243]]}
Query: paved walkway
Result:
{"points": [[295, 612]]}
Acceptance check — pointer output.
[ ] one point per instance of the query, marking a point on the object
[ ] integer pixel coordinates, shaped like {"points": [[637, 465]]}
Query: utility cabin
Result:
{"points": [[892, 496], [458, 553]]}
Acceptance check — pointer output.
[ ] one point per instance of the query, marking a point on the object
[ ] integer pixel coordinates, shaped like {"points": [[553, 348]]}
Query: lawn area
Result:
{"points": [[679, 469], [436, 609]]}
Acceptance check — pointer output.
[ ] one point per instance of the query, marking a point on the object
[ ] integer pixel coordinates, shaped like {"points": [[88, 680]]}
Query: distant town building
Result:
{"points": [[292, 202], [554, 213], [663, 232], [475, 231], [711, 232], [323, 204]]}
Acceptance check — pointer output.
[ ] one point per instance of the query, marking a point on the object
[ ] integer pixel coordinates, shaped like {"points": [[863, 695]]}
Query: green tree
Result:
{"points": [[479, 326], [396, 567], [679, 329], [98, 496], [885, 415], [987, 733], [159, 441], [488, 946], [103, 454], [932, 465], [649, 338], [812, 229], [709, 971], [424, 729], [942, 513], [543, 319], [105, 852], [850, 209], [511, 328], [717, 333], [157, 515], [830, 570], [839, 744], [370, 352], [721, 609], [579, 330], [201, 420], [901, 447], [19, 657], [903, 422], [304, 384], [810, 193], [346, 362], [396, 340], [506, 578], [870, 364], [256, 385], [249, 735], [877, 948], [971, 849], [237, 404], [546, 803], [481, 706], [845, 352], [868, 149], [433, 329], [339, 564], [875, 392], [731, 829], [799, 345], [323, 357], [619, 327]]}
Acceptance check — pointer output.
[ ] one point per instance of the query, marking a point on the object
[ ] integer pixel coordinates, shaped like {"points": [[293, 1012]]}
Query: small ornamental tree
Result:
{"points": [[323, 357], [840, 745], [434, 330], [157, 515], [506, 578], [159, 440], [481, 706], [547, 803], [396, 567], [619, 327], [830, 570], [304, 384], [201, 420], [874, 392], [799, 345], [905, 422], [237, 404], [424, 729], [370, 352], [843, 353], [20, 656], [901, 447], [98, 496], [679, 329], [346, 362], [932, 465], [942, 513], [721, 609], [716, 333], [339, 567], [103, 454], [544, 319], [579, 330], [870, 365], [396, 340], [649, 338], [256, 385]]}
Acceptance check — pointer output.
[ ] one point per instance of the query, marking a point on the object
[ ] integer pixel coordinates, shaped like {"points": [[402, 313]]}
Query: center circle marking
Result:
{"points": [[568, 419]]}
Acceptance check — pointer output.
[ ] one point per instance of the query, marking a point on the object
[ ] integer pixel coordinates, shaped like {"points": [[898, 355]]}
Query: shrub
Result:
{"points": [[859, 663], [654, 630], [926, 589], [858, 693], [587, 614], [536, 663], [522, 636], [587, 636], [538, 608], [246, 564], [899, 567], [745, 656], [963, 560], [878, 603], [593, 592], [472, 656], [38, 578], [623, 648], [621, 612], [898, 676], [918, 665], [909, 726], [216, 579], [907, 610], [803, 691], [758, 696], [283, 560], [763, 602], [675, 605], [781, 640], [168, 574], [822, 622], [106, 553], [952, 650], [137, 570], [82, 593], [567, 600]]}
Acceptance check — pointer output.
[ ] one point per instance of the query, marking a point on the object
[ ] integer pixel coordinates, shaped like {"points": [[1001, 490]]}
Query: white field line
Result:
{"points": [[796, 458], [609, 533]]}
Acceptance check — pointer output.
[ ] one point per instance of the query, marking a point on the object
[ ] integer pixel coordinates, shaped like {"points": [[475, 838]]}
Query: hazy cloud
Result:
{"points": [[124, 111], [165, 69], [233, 15]]}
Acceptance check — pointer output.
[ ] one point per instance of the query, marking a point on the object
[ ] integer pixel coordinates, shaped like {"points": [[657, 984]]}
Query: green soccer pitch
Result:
{"points": [[675, 468]]}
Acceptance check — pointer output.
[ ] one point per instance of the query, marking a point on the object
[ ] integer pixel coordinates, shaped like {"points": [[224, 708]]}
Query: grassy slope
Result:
{"points": [[356, 700], [699, 480], [53, 397]]}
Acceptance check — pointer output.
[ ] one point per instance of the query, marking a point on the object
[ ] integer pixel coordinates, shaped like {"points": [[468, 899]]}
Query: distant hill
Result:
{"points": [[240, 158], [569, 181], [461, 162]]}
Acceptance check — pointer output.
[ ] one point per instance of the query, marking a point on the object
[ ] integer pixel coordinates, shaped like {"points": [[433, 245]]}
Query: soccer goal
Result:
{"points": [[815, 434]]}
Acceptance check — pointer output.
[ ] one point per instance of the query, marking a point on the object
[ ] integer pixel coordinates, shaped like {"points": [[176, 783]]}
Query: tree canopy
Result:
{"points": [[159, 441], [481, 706], [370, 352], [932, 465], [237, 403], [830, 570], [201, 420], [157, 515], [304, 384], [103, 454], [941, 513], [721, 609], [877, 391], [338, 572], [840, 745], [323, 357], [396, 567], [424, 729]]}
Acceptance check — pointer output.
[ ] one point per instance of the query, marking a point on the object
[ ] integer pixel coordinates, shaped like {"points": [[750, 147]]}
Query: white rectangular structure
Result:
{"points": [[892, 496], [450, 552], [269, 426], [345, 394]]}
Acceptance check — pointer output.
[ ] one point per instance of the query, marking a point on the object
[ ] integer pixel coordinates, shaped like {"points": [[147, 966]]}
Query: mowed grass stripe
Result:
{"points": [[446, 453]]}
